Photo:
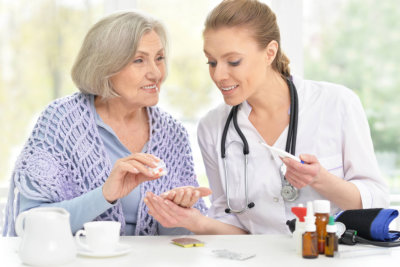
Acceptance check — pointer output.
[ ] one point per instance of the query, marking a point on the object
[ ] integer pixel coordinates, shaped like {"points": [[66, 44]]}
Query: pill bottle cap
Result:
{"points": [[322, 206], [331, 226], [300, 213]]}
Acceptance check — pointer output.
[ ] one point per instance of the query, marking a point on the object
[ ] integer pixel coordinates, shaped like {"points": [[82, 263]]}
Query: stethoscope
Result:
{"points": [[288, 192]]}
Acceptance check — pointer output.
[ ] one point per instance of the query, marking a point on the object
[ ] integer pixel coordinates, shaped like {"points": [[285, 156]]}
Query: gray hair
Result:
{"points": [[108, 47]]}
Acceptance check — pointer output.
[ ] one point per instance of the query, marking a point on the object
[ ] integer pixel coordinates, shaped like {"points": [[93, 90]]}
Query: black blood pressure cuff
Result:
{"points": [[372, 224]]}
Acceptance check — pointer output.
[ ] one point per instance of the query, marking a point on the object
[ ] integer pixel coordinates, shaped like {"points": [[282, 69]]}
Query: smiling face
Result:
{"points": [[138, 83], [237, 65]]}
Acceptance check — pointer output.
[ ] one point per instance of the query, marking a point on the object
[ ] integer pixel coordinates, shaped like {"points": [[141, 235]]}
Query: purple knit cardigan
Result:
{"points": [[65, 157]]}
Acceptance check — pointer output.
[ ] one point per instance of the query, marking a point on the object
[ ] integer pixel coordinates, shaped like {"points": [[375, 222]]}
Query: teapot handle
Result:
{"points": [[19, 228]]}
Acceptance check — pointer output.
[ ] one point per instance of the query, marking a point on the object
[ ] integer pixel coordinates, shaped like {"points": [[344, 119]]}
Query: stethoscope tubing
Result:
{"points": [[248, 205], [290, 145]]}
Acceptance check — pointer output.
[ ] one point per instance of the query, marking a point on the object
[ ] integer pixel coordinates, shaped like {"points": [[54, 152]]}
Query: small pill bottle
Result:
{"points": [[331, 241], [322, 209]]}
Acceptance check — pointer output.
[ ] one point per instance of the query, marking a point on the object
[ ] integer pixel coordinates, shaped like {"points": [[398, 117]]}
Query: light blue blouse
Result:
{"points": [[91, 204], [116, 150]]}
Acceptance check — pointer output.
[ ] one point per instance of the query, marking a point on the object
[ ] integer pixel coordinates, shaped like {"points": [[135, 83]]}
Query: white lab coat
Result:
{"points": [[332, 126]]}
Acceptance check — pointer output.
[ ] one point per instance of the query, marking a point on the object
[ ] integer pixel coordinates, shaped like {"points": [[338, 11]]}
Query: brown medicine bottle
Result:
{"points": [[322, 210], [310, 245], [309, 238], [331, 241]]}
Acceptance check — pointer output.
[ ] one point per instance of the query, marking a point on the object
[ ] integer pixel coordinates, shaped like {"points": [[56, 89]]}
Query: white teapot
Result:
{"points": [[46, 237]]}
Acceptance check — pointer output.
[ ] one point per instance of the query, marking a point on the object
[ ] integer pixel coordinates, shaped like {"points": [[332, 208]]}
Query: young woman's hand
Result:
{"points": [[170, 215], [300, 175], [128, 173], [186, 196]]}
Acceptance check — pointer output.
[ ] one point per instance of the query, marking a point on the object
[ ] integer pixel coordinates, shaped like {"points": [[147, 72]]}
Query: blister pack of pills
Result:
{"points": [[232, 255]]}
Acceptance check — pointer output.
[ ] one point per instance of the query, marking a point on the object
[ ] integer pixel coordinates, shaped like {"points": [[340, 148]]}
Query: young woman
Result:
{"points": [[321, 123]]}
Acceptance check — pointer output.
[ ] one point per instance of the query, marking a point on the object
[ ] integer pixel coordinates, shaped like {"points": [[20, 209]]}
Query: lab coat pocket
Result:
{"points": [[333, 164]]}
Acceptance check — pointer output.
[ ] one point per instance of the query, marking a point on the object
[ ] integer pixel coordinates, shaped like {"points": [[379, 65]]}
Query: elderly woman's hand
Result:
{"points": [[186, 196], [128, 173]]}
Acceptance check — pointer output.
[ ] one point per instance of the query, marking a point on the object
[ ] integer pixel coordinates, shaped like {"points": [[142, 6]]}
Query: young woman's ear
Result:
{"points": [[271, 50]]}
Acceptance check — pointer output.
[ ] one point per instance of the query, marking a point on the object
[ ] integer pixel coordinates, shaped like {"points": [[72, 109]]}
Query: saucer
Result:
{"points": [[121, 249]]}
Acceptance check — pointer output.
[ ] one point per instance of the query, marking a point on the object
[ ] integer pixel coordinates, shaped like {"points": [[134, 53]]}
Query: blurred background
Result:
{"points": [[350, 42]]}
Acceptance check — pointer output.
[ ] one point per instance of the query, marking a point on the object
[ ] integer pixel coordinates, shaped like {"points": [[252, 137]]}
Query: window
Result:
{"points": [[355, 43], [38, 44]]}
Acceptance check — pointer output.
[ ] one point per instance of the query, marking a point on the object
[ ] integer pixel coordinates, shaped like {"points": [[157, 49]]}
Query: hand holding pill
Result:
{"points": [[127, 173]]}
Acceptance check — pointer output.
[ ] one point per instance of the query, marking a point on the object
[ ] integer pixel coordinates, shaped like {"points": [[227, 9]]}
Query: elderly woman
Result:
{"points": [[92, 153]]}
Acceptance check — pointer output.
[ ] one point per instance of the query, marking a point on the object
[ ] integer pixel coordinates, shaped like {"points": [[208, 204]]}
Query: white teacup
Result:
{"points": [[101, 236]]}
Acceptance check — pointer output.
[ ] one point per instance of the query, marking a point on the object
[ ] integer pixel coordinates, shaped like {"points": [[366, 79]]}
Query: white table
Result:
{"points": [[270, 250]]}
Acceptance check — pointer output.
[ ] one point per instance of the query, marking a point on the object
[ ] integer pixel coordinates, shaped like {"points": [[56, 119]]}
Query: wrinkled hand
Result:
{"points": [[128, 173], [301, 175], [186, 196], [170, 215]]}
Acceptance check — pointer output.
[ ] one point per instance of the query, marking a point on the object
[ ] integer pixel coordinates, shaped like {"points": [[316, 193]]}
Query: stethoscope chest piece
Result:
{"points": [[289, 192]]}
